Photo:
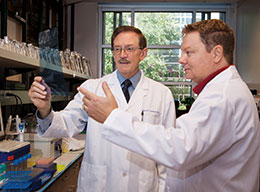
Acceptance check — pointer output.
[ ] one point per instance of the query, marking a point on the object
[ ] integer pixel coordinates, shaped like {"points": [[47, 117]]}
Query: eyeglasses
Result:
{"points": [[127, 49]]}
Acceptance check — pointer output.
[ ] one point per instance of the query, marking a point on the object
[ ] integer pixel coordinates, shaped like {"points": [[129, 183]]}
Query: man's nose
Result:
{"points": [[182, 60], [123, 53]]}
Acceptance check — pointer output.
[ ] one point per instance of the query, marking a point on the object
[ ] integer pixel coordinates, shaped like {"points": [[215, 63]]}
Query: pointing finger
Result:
{"points": [[86, 93], [106, 89]]}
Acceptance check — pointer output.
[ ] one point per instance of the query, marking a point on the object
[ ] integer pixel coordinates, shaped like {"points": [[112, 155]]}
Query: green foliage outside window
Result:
{"points": [[108, 62], [159, 28], [162, 65]]}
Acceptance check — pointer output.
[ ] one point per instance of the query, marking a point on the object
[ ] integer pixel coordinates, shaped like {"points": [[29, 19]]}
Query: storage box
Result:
{"points": [[44, 147]]}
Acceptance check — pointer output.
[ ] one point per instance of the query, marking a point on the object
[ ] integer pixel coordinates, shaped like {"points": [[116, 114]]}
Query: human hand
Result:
{"points": [[98, 107], [40, 95]]}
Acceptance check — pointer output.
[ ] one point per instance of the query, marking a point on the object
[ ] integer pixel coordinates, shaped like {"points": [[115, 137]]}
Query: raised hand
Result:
{"points": [[98, 107], [40, 96]]}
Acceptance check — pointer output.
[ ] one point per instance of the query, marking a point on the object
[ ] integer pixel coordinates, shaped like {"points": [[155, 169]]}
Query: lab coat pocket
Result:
{"points": [[150, 116], [92, 178]]}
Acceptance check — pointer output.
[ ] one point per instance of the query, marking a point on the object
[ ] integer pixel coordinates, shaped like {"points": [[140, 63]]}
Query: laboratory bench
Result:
{"points": [[65, 180]]}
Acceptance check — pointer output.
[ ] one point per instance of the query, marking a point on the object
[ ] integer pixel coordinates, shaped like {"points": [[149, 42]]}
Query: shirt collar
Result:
{"points": [[135, 79], [203, 83]]}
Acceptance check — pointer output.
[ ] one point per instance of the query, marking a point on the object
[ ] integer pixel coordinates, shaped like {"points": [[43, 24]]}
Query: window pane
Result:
{"points": [[162, 65], [117, 19], [215, 15], [210, 15], [108, 61], [162, 28], [180, 92]]}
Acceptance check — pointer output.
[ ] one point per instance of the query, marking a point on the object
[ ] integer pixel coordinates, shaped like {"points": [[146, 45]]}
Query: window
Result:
{"points": [[162, 26]]}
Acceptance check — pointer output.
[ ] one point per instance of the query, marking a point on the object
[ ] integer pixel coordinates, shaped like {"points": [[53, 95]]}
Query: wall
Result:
{"points": [[248, 42], [14, 29], [86, 32]]}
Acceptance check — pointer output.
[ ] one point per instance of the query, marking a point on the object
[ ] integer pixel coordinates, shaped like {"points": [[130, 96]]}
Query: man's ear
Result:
{"points": [[143, 53], [217, 53]]}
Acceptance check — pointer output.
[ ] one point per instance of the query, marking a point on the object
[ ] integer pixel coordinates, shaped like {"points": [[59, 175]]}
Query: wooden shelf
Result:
{"points": [[10, 59], [69, 73]]}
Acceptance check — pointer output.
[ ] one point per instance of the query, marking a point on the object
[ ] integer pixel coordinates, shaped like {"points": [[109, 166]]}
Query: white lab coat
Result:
{"points": [[108, 167], [215, 147]]}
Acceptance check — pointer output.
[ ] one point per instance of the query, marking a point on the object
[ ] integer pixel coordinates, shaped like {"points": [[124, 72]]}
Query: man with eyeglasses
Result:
{"points": [[105, 166]]}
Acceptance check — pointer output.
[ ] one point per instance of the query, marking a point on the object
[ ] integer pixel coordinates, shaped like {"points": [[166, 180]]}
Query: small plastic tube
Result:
{"points": [[21, 131]]}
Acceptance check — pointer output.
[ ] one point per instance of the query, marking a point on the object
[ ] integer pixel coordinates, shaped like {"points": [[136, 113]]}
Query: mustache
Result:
{"points": [[123, 60]]}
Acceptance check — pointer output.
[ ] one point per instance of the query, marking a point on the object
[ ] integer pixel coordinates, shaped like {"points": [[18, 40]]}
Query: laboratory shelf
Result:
{"points": [[14, 60], [11, 59], [10, 100]]}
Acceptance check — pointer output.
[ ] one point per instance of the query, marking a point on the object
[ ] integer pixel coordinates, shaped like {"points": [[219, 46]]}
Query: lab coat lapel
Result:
{"points": [[139, 93], [116, 89]]}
